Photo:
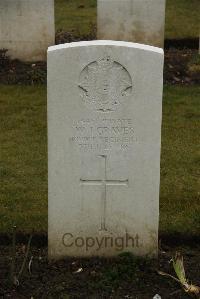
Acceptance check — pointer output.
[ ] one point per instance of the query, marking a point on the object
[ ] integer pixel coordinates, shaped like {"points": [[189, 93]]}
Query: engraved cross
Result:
{"points": [[104, 182]]}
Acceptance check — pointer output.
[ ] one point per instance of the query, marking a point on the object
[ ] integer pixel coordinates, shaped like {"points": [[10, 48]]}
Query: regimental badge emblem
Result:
{"points": [[105, 85]]}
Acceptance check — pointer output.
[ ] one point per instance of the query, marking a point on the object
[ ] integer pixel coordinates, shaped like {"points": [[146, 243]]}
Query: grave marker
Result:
{"points": [[104, 135], [27, 28], [139, 21]]}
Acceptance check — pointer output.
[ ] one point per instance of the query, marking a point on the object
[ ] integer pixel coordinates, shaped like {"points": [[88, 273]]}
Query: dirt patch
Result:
{"points": [[182, 44], [123, 277], [18, 72], [182, 67], [63, 37]]}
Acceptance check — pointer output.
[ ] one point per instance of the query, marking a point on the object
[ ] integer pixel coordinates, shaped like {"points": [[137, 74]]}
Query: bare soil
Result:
{"points": [[182, 65], [122, 277]]}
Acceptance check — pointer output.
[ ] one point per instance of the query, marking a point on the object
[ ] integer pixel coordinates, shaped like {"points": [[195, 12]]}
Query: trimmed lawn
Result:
{"points": [[180, 161], [23, 160], [75, 15], [182, 17]]}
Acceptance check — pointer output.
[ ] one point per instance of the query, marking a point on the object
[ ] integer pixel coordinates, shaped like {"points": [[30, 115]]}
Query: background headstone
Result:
{"points": [[104, 134], [139, 21], [27, 28]]}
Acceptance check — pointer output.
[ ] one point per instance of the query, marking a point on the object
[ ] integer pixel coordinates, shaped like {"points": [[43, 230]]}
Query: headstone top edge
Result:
{"points": [[106, 43]]}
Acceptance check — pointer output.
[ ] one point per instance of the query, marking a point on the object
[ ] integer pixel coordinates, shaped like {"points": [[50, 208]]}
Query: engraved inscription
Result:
{"points": [[105, 84], [103, 134]]}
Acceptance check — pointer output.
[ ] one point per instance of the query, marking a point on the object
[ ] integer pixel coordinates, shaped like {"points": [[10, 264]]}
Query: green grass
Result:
{"points": [[180, 163], [182, 17], [23, 160], [70, 15]]}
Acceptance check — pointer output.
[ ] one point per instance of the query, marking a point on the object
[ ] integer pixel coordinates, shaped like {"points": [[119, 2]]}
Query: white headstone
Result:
{"points": [[140, 21], [27, 28], [104, 136]]}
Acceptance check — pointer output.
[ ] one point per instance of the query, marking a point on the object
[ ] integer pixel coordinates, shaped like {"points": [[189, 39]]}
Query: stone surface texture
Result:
{"points": [[140, 21], [27, 28], [104, 138]]}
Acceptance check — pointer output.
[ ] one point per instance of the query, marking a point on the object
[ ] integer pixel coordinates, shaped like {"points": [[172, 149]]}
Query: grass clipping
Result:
{"points": [[180, 272]]}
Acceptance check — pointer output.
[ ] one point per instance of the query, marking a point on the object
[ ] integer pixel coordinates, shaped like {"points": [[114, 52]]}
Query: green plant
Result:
{"points": [[179, 269], [14, 277]]}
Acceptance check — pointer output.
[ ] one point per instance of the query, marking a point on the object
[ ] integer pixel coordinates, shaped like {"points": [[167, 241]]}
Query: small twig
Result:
{"points": [[168, 275], [13, 256], [175, 292], [25, 258], [30, 264]]}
